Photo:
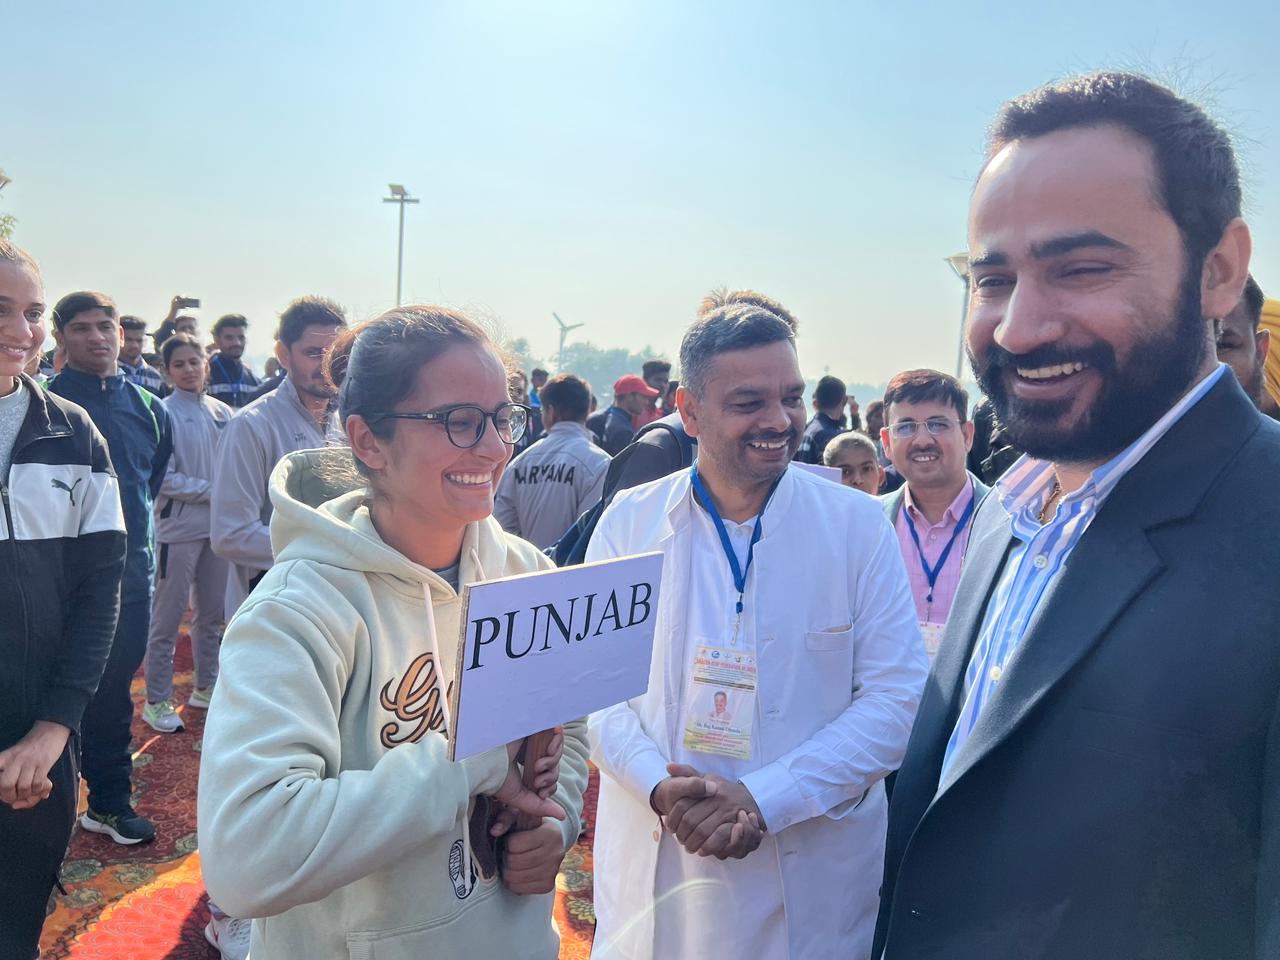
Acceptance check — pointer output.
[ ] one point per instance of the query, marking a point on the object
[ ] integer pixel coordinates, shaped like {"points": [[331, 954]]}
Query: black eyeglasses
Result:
{"points": [[937, 426], [465, 424]]}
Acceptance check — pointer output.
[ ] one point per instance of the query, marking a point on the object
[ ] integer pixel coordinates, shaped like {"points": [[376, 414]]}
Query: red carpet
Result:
{"points": [[147, 902]]}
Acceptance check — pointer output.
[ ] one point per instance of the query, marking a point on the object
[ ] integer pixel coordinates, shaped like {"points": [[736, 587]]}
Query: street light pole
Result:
{"points": [[959, 263], [401, 196]]}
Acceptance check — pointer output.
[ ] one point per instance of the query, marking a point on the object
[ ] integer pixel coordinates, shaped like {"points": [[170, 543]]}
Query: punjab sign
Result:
{"points": [[545, 648]]}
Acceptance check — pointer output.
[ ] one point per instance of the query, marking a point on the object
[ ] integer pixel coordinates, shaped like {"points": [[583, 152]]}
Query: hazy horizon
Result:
{"points": [[609, 163]]}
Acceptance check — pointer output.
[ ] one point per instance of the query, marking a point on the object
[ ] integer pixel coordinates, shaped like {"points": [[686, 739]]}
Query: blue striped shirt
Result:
{"points": [[1038, 556]]}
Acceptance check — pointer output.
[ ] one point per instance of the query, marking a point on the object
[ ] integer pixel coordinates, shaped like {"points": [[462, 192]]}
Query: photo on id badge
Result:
{"points": [[721, 701]]}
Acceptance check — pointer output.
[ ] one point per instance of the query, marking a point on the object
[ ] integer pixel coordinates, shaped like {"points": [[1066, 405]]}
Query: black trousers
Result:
{"points": [[32, 845], [108, 764]]}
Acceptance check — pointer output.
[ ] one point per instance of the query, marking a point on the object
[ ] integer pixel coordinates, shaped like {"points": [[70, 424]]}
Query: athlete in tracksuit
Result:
{"points": [[185, 555], [62, 546], [135, 425]]}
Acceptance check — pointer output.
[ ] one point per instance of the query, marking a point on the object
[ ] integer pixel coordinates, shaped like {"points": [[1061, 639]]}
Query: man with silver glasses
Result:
{"points": [[927, 437]]}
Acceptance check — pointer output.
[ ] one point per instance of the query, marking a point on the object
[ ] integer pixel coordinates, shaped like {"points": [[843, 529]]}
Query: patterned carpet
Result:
{"points": [[148, 903]]}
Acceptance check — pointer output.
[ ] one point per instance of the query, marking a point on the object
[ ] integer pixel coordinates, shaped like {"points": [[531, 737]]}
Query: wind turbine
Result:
{"points": [[564, 334]]}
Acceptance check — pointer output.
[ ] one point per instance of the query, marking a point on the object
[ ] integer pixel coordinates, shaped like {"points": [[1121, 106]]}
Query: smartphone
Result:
{"points": [[188, 303]]}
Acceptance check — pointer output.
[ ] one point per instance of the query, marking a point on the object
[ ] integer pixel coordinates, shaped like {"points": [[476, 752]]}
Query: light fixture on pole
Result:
{"points": [[401, 196], [959, 262], [564, 333]]}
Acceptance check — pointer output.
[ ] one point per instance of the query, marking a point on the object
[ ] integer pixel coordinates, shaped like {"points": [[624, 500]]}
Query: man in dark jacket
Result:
{"points": [[61, 557], [614, 426], [138, 435], [829, 399], [1094, 770]]}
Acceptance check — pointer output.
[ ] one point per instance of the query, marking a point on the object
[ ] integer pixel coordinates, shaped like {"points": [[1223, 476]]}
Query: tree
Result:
{"points": [[7, 220], [601, 367]]}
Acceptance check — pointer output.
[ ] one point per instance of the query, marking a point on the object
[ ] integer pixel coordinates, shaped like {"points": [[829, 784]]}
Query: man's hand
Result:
{"points": [[541, 778], [725, 822], [532, 859], [24, 767], [684, 782]]}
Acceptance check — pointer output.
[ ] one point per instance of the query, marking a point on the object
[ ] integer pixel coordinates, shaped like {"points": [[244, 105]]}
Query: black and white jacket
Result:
{"points": [[62, 545]]}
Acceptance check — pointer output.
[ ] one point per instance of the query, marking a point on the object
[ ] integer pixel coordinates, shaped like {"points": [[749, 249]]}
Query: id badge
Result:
{"points": [[721, 700], [932, 633]]}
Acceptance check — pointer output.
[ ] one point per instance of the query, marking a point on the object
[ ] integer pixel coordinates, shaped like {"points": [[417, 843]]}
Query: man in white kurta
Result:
{"points": [[828, 617]]}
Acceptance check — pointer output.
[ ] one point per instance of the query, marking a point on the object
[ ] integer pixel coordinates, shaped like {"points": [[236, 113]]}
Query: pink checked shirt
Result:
{"points": [[933, 540]]}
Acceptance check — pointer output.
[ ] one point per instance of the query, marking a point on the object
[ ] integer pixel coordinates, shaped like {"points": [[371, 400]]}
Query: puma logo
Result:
{"points": [[415, 702], [71, 490]]}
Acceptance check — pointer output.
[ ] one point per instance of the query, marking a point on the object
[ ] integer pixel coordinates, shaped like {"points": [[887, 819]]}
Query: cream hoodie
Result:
{"points": [[339, 845]]}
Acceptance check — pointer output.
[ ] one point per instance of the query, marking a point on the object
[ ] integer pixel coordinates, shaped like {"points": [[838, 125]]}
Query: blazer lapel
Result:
{"points": [[1112, 564]]}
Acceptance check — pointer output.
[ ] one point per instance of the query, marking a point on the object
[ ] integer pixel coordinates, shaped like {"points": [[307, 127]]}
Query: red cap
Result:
{"points": [[633, 384]]}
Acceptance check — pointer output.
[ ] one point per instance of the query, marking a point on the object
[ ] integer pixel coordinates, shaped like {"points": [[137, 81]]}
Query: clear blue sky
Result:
{"points": [[608, 161]]}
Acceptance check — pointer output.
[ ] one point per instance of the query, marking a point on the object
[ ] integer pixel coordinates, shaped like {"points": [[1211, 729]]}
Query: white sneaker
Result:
{"points": [[229, 936], [162, 717], [200, 697]]}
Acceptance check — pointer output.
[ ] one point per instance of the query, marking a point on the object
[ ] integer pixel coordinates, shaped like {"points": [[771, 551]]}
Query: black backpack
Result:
{"points": [[657, 450]]}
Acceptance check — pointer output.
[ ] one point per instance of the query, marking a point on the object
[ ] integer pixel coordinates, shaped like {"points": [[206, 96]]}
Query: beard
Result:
{"points": [[1133, 396]]}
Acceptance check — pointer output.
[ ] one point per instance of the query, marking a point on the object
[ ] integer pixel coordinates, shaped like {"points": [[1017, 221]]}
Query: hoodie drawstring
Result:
{"points": [[433, 642]]}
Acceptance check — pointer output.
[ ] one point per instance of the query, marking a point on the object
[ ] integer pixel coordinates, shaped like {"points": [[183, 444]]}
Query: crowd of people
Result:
{"points": [[1012, 686]]}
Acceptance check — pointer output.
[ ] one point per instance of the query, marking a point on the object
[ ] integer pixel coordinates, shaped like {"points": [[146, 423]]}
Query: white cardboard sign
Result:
{"points": [[825, 472], [544, 648]]}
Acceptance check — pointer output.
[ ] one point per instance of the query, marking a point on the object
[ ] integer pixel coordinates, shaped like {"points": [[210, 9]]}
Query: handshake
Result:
{"points": [[709, 815]]}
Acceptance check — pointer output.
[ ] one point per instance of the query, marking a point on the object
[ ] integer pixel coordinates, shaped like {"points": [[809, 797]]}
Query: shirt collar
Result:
{"points": [[1026, 485], [568, 427], [952, 513]]}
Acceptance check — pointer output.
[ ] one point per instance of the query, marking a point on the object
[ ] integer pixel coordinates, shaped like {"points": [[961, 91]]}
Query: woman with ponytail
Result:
{"points": [[328, 808]]}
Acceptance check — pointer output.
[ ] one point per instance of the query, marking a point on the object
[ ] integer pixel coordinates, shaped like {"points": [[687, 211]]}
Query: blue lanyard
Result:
{"points": [[739, 573], [932, 574]]}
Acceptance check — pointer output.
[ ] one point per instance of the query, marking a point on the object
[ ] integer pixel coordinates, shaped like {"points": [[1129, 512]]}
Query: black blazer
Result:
{"points": [[1121, 798]]}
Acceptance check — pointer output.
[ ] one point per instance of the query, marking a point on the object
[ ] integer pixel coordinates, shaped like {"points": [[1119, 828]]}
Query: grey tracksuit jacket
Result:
{"points": [[252, 444], [182, 509]]}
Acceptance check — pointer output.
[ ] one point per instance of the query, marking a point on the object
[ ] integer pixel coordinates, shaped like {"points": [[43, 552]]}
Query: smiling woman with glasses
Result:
{"points": [[328, 804]]}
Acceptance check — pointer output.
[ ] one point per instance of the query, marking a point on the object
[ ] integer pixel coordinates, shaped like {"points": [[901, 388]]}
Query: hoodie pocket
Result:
{"points": [[423, 939]]}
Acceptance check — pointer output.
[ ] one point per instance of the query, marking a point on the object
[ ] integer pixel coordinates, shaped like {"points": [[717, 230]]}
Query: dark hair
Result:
{"points": [[650, 367], [850, 438], [82, 301], [375, 364], [537, 372], [731, 325], [12, 253], [925, 386], [829, 391], [1197, 179], [568, 395], [1253, 301], [723, 297], [231, 320], [308, 312], [133, 323], [170, 346]]}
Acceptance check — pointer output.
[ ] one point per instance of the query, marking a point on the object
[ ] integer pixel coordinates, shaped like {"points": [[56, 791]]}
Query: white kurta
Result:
{"points": [[841, 669], [708, 907]]}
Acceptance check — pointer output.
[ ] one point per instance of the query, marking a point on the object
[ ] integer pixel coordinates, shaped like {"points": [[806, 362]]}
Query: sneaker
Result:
{"points": [[162, 717], [200, 697], [229, 936], [127, 828]]}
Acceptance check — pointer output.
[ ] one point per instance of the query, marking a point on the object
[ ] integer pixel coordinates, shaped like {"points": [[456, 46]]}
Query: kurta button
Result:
{"points": [[656, 836], [1041, 561], [995, 674]]}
